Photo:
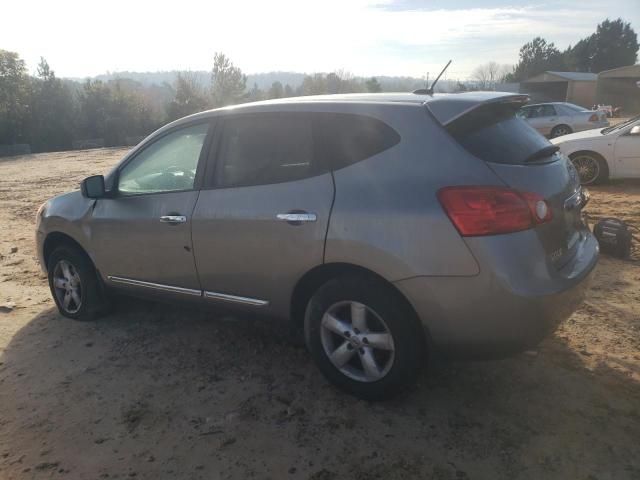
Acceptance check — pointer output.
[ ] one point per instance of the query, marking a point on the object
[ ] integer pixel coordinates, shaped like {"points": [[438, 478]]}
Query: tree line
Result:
{"points": [[50, 113]]}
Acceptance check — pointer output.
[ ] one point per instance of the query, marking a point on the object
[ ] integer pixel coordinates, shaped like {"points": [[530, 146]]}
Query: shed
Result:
{"points": [[620, 87], [573, 87]]}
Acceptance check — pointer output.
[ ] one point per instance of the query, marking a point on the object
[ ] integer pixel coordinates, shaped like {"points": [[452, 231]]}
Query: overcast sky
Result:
{"points": [[377, 37]]}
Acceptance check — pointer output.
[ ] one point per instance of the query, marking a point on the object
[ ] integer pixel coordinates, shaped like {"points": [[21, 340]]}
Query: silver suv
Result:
{"points": [[385, 226]]}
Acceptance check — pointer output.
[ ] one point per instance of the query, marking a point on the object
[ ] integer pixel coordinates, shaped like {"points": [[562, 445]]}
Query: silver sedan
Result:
{"points": [[562, 118]]}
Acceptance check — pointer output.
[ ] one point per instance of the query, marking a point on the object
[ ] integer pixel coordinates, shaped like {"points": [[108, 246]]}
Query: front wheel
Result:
{"points": [[74, 284], [591, 168], [364, 338]]}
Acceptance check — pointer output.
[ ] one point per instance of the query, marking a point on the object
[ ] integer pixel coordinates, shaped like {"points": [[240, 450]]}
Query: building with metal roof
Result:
{"points": [[620, 87], [574, 87]]}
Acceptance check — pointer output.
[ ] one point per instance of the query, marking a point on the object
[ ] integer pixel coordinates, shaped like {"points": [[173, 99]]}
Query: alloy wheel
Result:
{"points": [[67, 286], [357, 341], [588, 168]]}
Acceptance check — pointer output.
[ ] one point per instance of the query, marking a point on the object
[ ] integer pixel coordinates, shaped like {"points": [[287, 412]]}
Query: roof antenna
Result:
{"points": [[429, 91]]}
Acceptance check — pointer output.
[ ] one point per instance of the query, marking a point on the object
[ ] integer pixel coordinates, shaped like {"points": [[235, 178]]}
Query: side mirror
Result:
{"points": [[635, 130], [93, 187]]}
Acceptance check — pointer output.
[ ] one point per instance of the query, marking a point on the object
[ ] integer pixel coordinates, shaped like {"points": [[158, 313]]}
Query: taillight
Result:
{"points": [[479, 210], [594, 117]]}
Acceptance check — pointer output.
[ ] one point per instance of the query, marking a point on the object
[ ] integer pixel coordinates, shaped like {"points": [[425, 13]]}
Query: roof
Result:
{"points": [[622, 72], [446, 107], [552, 76]]}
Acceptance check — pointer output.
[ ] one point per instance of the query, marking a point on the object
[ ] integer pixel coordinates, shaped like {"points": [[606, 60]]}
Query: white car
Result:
{"points": [[601, 154]]}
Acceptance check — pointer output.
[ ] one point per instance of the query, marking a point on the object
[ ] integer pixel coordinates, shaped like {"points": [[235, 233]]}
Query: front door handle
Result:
{"points": [[173, 219], [296, 218]]}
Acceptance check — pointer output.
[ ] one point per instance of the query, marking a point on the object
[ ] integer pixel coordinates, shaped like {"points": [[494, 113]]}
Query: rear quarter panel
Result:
{"points": [[386, 216]]}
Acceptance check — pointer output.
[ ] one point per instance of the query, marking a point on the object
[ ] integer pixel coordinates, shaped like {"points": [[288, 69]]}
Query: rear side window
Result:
{"points": [[266, 148], [344, 139], [494, 133], [263, 149]]}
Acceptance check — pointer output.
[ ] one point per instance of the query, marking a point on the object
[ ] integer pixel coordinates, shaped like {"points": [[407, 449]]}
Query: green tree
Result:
{"points": [[228, 83], [255, 94], [615, 44], [95, 100], [52, 112], [276, 90], [579, 58], [189, 97], [313, 85], [14, 98], [536, 57], [373, 85], [288, 91]]}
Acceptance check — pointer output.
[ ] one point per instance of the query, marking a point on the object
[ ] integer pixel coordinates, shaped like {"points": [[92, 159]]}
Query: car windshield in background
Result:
{"points": [[500, 137], [620, 126]]}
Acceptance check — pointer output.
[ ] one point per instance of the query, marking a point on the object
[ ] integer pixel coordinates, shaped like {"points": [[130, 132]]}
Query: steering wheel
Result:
{"points": [[185, 176]]}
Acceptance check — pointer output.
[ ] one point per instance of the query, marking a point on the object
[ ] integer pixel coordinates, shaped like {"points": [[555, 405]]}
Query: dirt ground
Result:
{"points": [[153, 391]]}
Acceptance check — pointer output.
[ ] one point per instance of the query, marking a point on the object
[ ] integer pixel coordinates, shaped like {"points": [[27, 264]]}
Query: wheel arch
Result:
{"points": [[317, 276], [56, 239]]}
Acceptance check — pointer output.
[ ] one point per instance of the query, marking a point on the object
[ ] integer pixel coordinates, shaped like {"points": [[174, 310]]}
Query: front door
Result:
{"points": [[627, 155], [142, 235], [262, 222]]}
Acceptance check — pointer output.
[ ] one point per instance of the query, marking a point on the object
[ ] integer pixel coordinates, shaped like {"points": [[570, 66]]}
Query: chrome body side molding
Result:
{"points": [[235, 299], [188, 291], [155, 286]]}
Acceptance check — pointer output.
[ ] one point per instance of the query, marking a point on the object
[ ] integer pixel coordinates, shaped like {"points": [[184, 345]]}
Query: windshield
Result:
{"points": [[574, 107], [620, 126]]}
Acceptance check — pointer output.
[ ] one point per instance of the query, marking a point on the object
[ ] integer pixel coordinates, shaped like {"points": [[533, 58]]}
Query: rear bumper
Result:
{"points": [[506, 308]]}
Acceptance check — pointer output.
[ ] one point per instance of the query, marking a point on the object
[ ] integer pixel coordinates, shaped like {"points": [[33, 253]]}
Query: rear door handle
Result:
{"points": [[173, 219], [297, 218]]}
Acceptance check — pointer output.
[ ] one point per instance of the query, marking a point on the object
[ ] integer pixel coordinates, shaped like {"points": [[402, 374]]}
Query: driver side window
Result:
{"points": [[169, 164]]}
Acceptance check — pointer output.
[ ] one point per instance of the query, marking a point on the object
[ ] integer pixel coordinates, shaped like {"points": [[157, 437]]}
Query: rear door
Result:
{"points": [[530, 163], [543, 118], [261, 221]]}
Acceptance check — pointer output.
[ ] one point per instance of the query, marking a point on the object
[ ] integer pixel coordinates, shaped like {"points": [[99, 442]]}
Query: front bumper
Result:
{"points": [[40, 236], [505, 309]]}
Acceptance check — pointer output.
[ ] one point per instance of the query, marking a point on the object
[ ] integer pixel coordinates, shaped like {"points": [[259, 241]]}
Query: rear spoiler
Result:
{"points": [[449, 108]]}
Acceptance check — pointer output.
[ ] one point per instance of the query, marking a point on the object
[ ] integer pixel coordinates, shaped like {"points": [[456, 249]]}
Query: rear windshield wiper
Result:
{"points": [[542, 153]]}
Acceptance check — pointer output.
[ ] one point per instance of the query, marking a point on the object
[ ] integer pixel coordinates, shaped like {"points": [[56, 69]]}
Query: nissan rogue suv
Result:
{"points": [[385, 226]]}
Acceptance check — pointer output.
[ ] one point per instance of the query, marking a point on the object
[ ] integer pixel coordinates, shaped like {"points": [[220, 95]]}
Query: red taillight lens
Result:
{"points": [[476, 210], [593, 118]]}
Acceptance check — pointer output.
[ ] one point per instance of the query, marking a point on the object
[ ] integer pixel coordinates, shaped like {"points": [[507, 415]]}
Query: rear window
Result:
{"points": [[494, 133]]}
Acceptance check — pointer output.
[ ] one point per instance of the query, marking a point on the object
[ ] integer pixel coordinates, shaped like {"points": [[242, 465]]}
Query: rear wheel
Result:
{"points": [[74, 284], [363, 337], [560, 130], [592, 168]]}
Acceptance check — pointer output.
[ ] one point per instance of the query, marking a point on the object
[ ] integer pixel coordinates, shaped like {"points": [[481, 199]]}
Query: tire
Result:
{"points": [[560, 130], [74, 284], [591, 167], [400, 349]]}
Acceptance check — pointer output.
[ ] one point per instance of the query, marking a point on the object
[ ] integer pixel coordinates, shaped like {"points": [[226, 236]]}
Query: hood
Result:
{"points": [[585, 134], [70, 206]]}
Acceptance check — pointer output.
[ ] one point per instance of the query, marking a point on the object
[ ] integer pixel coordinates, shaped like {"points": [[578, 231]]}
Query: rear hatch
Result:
{"points": [[526, 161]]}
